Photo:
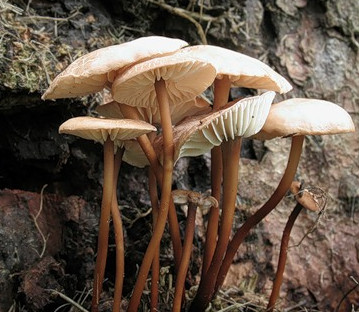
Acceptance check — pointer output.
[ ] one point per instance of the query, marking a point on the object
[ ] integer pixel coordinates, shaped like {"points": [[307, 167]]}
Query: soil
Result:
{"points": [[49, 258]]}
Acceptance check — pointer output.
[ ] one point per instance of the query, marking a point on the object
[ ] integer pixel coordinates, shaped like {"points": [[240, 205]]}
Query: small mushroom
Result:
{"points": [[291, 118], [307, 201], [111, 133], [194, 200]]}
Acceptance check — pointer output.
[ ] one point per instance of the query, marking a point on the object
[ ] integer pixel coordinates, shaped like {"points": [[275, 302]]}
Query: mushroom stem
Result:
{"points": [[155, 271], [102, 244], [221, 94], [231, 154], [282, 188], [168, 150], [186, 255], [283, 257], [117, 225], [147, 147]]}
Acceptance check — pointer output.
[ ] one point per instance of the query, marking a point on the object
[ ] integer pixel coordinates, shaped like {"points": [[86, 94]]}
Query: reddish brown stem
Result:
{"points": [[168, 150], [283, 257], [117, 225], [221, 93], [146, 145], [155, 271], [231, 154], [282, 188], [186, 255], [102, 244]]}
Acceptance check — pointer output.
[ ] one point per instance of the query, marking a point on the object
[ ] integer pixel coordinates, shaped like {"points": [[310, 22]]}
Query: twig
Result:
{"points": [[187, 15], [138, 217], [4, 6], [50, 18], [44, 239], [69, 300], [347, 293]]}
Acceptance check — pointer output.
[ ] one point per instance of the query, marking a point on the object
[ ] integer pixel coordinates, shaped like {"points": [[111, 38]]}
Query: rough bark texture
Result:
{"points": [[312, 43]]}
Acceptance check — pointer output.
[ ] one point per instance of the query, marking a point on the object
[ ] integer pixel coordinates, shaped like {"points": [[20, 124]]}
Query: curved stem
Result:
{"points": [[221, 94], [282, 257], [117, 225], [168, 149], [186, 255], [102, 244], [231, 154], [281, 190], [156, 260], [147, 147]]}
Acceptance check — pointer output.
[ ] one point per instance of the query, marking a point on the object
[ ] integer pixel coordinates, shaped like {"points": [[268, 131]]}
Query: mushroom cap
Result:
{"points": [[305, 117], [304, 197], [134, 154], [183, 197], [91, 72], [184, 76], [197, 135], [99, 129], [152, 114], [243, 70]]}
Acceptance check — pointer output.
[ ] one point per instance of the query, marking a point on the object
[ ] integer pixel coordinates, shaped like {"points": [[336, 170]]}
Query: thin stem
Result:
{"points": [[147, 147], [186, 255], [221, 93], [211, 238], [117, 225], [231, 154], [282, 188], [155, 271], [283, 257], [168, 150], [102, 244]]}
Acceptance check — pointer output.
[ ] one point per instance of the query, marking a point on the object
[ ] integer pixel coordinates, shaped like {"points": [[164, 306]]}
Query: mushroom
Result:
{"points": [[111, 133], [247, 125], [306, 200], [194, 200], [291, 118], [161, 82], [94, 71], [239, 70]]}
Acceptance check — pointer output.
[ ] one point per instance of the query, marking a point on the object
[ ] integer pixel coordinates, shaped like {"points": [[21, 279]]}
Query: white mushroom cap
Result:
{"points": [[91, 72], [243, 70], [185, 78], [152, 114], [195, 136], [305, 117], [99, 129]]}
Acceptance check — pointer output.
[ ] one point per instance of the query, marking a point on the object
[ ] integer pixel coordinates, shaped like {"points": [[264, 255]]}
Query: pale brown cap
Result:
{"points": [[185, 78], [152, 114], [99, 129], [304, 197], [91, 72], [242, 70], [305, 117], [197, 135], [183, 197]]}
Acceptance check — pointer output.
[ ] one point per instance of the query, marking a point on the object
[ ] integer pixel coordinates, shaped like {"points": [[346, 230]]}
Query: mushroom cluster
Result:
{"points": [[157, 112]]}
